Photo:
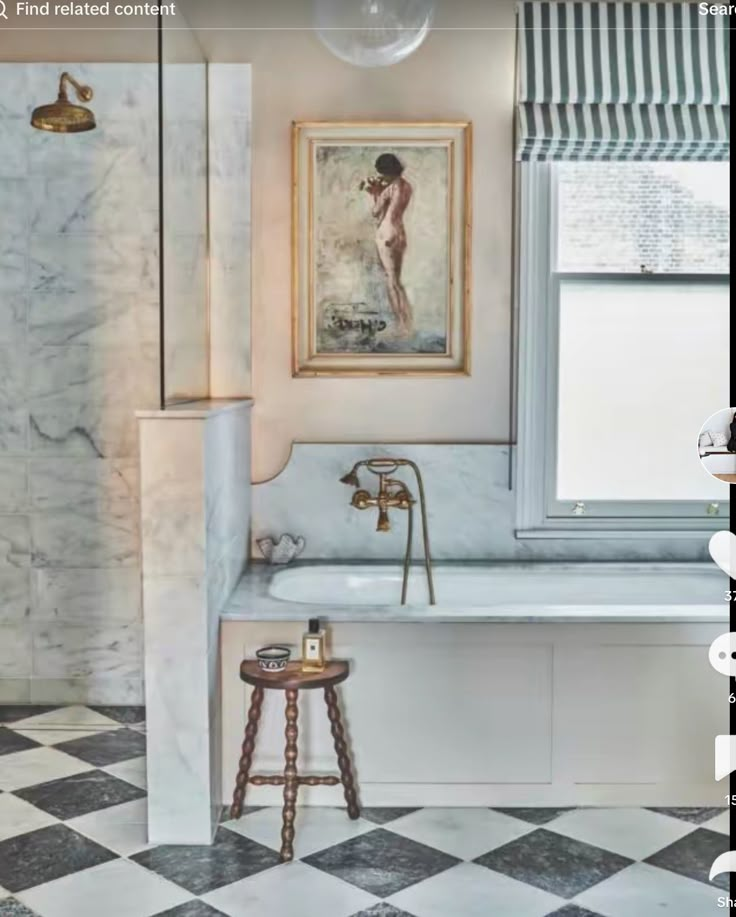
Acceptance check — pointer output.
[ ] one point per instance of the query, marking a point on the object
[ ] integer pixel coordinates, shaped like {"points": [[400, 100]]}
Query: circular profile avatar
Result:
{"points": [[717, 445]]}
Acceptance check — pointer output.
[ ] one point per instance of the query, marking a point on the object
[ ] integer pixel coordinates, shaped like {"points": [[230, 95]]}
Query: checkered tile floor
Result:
{"points": [[73, 844]]}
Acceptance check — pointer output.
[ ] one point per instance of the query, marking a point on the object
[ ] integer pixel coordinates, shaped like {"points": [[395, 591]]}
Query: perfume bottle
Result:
{"points": [[313, 648]]}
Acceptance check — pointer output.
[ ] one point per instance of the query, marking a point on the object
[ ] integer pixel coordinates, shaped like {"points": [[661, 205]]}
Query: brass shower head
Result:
{"points": [[63, 116]]}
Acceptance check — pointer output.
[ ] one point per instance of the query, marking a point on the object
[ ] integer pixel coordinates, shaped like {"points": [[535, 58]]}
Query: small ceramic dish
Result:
{"points": [[273, 658]]}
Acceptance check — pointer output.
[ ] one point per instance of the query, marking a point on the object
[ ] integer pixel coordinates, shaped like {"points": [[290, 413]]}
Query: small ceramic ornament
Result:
{"points": [[283, 551]]}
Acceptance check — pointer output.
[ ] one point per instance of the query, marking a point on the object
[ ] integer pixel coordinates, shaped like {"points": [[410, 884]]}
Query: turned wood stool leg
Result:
{"points": [[343, 757], [246, 757], [291, 781]]}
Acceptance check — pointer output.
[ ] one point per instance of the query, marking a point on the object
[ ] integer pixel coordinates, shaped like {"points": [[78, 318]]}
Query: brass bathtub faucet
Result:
{"points": [[394, 494]]}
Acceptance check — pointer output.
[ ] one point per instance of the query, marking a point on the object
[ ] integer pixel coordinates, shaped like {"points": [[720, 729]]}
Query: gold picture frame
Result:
{"points": [[381, 248]]}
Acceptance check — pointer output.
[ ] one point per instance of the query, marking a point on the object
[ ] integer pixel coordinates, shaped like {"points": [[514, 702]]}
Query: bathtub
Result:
{"points": [[472, 591], [556, 684]]}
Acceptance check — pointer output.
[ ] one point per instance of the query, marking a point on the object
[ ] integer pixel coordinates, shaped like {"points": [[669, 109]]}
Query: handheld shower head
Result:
{"points": [[351, 478], [63, 116]]}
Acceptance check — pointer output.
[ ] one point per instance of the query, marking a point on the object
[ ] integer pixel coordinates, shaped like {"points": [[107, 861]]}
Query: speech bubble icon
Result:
{"points": [[726, 862], [725, 756], [722, 547], [722, 654]]}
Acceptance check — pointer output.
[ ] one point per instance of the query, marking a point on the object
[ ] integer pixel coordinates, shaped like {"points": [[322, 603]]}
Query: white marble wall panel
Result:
{"points": [[195, 516], [78, 354], [172, 498], [68, 650], [230, 147], [14, 203], [15, 593], [13, 315], [70, 264], [13, 248], [15, 649], [92, 318], [15, 541], [471, 509], [14, 494], [13, 143], [13, 399], [87, 594], [14, 80]]}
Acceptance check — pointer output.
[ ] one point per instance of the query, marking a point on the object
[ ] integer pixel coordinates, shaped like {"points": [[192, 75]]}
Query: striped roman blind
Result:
{"points": [[622, 81]]}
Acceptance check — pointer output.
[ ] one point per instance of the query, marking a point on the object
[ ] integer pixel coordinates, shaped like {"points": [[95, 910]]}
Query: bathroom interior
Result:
{"points": [[394, 322]]}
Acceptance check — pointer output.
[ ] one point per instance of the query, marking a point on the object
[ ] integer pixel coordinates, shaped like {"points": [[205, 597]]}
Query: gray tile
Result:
{"points": [[11, 741], [380, 862], [106, 747], [11, 713], [129, 715], [383, 910], [535, 816], [50, 853], [80, 794], [381, 816], [696, 816], [554, 863], [572, 910], [693, 855], [12, 908], [201, 869], [190, 909]]}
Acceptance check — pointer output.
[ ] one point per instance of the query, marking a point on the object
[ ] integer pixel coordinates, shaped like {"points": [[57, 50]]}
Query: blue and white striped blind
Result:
{"points": [[622, 81]]}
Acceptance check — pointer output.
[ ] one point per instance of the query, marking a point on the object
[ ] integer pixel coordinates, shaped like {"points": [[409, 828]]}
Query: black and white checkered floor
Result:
{"points": [[73, 844]]}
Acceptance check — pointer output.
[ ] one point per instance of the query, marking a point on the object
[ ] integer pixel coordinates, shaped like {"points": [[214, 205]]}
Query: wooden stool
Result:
{"points": [[292, 680]]}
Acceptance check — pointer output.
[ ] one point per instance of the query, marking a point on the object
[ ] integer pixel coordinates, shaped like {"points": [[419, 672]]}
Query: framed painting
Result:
{"points": [[381, 248]]}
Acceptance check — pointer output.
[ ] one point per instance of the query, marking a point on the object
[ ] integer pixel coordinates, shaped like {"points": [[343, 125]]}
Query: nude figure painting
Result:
{"points": [[380, 249]]}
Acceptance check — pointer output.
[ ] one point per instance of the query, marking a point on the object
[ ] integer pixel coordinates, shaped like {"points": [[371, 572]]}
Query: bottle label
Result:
{"points": [[311, 649]]}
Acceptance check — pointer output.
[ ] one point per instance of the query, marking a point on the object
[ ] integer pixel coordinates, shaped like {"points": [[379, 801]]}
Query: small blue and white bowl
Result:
{"points": [[273, 658]]}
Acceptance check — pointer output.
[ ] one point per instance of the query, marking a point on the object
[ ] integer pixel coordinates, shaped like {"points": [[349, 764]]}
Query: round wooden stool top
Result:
{"points": [[292, 677]]}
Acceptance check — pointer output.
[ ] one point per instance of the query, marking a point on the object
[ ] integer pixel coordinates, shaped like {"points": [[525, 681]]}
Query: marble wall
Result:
{"points": [[472, 511], [184, 250], [195, 519], [78, 354], [230, 229]]}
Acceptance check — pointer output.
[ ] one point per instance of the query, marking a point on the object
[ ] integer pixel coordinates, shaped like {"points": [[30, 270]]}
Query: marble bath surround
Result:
{"points": [[468, 592]]}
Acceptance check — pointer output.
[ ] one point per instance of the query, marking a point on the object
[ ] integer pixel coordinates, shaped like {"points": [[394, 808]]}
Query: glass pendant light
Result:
{"points": [[373, 33]]}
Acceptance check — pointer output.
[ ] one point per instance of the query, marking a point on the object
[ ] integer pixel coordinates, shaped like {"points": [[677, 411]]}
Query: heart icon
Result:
{"points": [[722, 547]]}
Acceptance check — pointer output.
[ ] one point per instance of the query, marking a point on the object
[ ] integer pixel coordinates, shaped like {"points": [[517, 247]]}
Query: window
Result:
{"points": [[624, 324]]}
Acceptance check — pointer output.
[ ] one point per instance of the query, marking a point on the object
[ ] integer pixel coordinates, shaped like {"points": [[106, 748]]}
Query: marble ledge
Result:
{"points": [[195, 410]]}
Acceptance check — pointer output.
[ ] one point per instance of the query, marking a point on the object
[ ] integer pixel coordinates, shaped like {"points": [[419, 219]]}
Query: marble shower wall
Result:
{"points": [[230, 229], [471, 510], [78, 354]]}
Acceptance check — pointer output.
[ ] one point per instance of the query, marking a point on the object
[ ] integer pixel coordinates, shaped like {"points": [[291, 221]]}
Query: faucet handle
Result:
{"points": [[361, 499]]}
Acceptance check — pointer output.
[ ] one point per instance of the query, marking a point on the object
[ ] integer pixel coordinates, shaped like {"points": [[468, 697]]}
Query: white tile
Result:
{"points": [[50, 736], [316, 828], [642, 891], [37, 765], [291, 890], [474, 891], [464, 833], [134, 771], [721, 823], [116, 889], [120, 828], [633, 833], [18, 816], [76, 715]]}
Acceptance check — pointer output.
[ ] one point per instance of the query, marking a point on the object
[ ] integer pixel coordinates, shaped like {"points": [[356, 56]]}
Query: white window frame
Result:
{"points": [[539, 513]]}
